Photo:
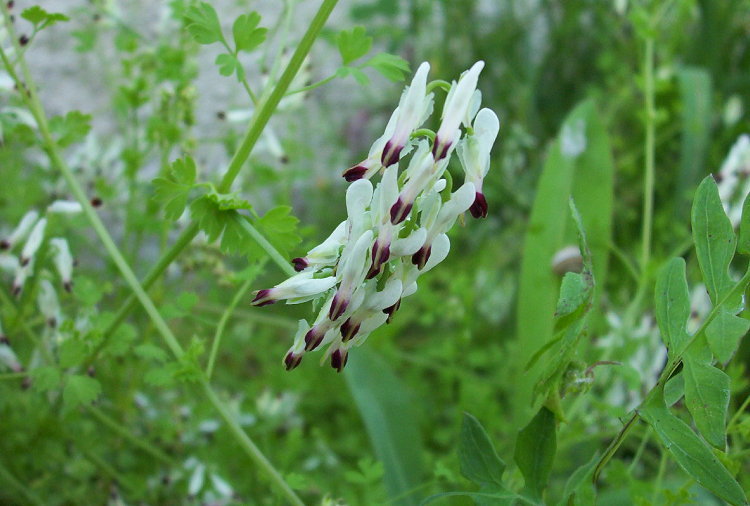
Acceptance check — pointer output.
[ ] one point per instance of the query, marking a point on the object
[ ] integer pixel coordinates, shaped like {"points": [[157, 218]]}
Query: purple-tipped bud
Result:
{"points": [[440, 149], [263, 298], [339, 359], [400, 210], [479, 207], [380, 255], [292, 360], [68, 286], [4, 244], [300, 264], [349, 329], [4, 340], [15, 290], [313, 338], [420, 257], [338, 306], [391, 153], [25, 261], [391, 310], [354, 173]]}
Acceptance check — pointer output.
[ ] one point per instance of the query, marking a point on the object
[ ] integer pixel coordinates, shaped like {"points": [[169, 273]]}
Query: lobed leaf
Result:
{"points": [[724, 333], [40, 18], [390, 66], [79, 390], [172, 191], [353, 44], [672, 301], [714, 239], [279, 226], [227, 63], [692, 454], [247, 35], [203, 24], [535, 450], [71, 128], [706, 397]]}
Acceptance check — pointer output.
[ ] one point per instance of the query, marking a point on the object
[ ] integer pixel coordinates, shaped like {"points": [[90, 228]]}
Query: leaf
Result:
{"points": [[227, 64], [79, 390], [714, 240], [672, 302], [575, 291], [724, 333], [73, 351], [70, 128], [46, 378], [217, 214], [228, 201], [41, 18], [477, 456], [390, 417], [535, 450], [743, 244], [357, 74], [692, 454], [172, 191], [707, 398], [247, 35], [148, 351], [279, 226], [674, 389], [203, 24], [353, 44], [496, 498], [588, 177], [579, 485], [390, 66]]}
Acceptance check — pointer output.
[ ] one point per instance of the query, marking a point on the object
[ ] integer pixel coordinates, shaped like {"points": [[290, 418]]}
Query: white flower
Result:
{"points": [[457, 103], [300, 288], [22, 273], [47, 302], [414, 107], [65, 207], [326, 253], [370, 165], [63, 261], [474, 154], [20, 232], [734, 170], [352, 273], [36, 236]]}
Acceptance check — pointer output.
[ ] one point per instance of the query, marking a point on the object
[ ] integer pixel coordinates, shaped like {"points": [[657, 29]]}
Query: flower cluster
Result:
{"points": [[395, 230]]}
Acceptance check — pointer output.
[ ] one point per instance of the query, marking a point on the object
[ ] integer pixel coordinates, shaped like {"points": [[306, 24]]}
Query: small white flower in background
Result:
{"points": [[65, 207], [48, 303], [21, 231], [63, 261], [36, 236], [396, 229], [733, 179], [573, 139]]}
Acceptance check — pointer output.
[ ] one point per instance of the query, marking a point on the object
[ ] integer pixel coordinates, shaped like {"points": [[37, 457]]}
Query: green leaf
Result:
{"points": [[44, 379], [80, 390], [172, 191], [247, 35], [674, 389], [575, 291], [743, 244], [203, 24], [672, 302], [707, 398], [579, 485], [692, 454], [70, 128], [353, 44], [714, 239], [357, 74], [73, 351], [160, 376], [279, 226], [217, 214], [227, 63], [390, 417], [495, 498], [477, 456], [228, 201], [390, 66], [41, 18], [724, 333], [535, 450], [151, 352]]}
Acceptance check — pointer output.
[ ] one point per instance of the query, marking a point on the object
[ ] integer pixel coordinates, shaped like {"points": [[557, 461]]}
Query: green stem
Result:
{"points": [[270, 250], [135, 441], [738, 413], [438, 83], [313, 85], [222, 324], [648, 185]]}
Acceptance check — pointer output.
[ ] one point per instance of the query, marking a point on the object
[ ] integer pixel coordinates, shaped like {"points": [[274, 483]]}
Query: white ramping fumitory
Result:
{"points": [[734, 179], [36, 236], [20, 232], [63, 261], [396, 229]]}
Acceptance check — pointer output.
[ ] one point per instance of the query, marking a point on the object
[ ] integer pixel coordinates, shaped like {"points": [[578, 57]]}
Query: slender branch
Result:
{"points": [[648, 184], [312, 86], [222, 324], [270, 250]]}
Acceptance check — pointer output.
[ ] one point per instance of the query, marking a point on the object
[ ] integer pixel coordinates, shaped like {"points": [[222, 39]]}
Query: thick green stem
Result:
{"points": [[648, 183]]}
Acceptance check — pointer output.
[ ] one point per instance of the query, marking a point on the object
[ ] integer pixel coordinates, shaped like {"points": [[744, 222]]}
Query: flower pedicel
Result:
{"points": [[395, 230]]}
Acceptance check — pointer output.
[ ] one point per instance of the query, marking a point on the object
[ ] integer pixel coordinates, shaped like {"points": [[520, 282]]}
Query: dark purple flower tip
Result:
{"points": [[26, 383], [4, 244], [338, 306], [380, 255], [349, 329], [4, 340], [440, 149], [354, 173], [479, 207], [300, 264], [68, 286], [292, 360], [263, 298], [15, 290], [400, 210], [391, 153], [25, 261], [420, 257], [391, 310], [313, 338], [339, 358]]}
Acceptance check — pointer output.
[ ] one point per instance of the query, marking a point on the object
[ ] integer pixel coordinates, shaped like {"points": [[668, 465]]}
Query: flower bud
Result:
{"points": [[36, 236], [20, 232]]}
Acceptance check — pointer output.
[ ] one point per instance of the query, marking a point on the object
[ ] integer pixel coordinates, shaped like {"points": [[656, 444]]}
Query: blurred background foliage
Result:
{"points": [[452, 347]]}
